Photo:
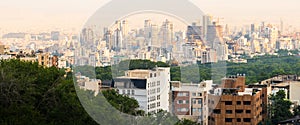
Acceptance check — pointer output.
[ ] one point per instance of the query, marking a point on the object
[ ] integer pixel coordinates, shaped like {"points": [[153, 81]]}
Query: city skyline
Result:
{"points": [[32, 15]]}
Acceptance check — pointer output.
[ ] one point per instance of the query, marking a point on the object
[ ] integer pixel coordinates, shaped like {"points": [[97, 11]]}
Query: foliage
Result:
{"points": [[35, 95], [296, 110], [280, 107], [257, 69], [31, 94]]}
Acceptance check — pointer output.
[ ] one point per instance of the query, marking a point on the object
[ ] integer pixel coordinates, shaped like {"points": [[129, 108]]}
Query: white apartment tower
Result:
{"points": [[149, 87]]}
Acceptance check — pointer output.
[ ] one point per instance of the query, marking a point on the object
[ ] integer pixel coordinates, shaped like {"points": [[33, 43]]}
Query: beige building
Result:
{"points": [[189, 101], [44, 59], [2, 49]]}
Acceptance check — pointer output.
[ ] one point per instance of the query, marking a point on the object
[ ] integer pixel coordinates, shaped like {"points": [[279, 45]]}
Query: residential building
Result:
{"points": [[149, 87], [189, 100], [235, 104]]}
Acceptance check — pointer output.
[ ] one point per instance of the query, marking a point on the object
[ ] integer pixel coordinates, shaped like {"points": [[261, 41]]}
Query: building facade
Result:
{"points": [[235, 104], [149, 87], [189, 101]]}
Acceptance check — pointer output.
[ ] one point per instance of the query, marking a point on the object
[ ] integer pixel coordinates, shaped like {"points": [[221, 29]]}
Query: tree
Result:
{"points": [[296, 110], [280, 107]]}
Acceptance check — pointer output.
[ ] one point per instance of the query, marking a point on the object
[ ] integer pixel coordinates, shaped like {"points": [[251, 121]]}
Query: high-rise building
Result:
{"points": [[167, 34], [207, 20], [125, 29], [149, 87], [194, 33], [154, 36], [214, 32], [252, 28], [87, 37]]}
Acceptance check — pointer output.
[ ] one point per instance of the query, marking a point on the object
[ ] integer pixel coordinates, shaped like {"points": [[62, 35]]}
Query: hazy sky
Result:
{"points": [[37, 15]]}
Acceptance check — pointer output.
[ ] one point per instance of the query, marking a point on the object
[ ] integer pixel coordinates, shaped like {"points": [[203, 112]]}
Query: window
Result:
{"points": [[179, 102], [194, 94], [182, 110], [158, 104], [247, 102], [158, 90], [199, 94], [239, 111], [199, 101], [158, 83], [132, 92], [194, 109], [123, 92], [248, 111], [247, 119], [154, 74], [158, 97], [150, 75], [228, 102], [228, 111], [199, 109], [238, 102], [238, 120], [187, 102], [182, 94], [228, 119], [128, 92], [217, 111], [194, 101]]}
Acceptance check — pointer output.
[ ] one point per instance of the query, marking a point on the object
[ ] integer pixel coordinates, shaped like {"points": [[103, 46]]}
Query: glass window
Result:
{"points": [[228, 102], [228, 111], [199, 109], [180, 102], [247, 102], [194, 101], [187, 102], [194, 109], [248, 111], [194, 94], [199, 101], [228, 119], [247, 119]]}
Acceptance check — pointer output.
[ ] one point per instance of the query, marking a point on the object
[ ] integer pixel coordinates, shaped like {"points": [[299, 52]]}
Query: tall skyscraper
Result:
{"points": [[194, 33], [154, 36], [207, 20], [167, 34], [281, 27], [214, 32], [125, 29], [147, 31]]}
